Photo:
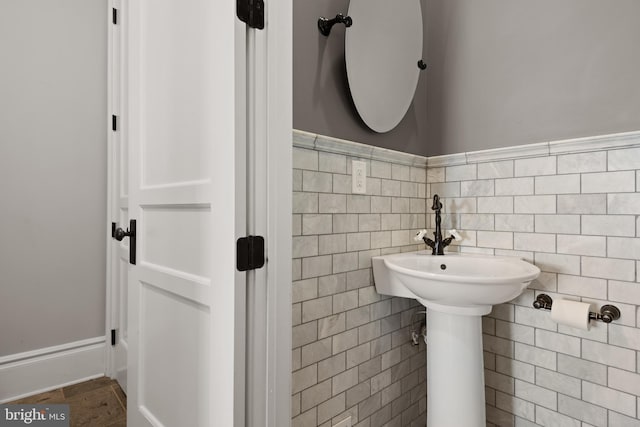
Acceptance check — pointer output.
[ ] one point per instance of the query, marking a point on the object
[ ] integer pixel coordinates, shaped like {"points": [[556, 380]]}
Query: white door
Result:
{"points": [[179, 85], [185, 295]]}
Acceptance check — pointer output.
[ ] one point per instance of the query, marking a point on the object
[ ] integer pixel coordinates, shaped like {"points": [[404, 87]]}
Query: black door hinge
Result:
{"points": [[114, 15], [113, 337], [114, 122], [250, 253], [251, 12]]}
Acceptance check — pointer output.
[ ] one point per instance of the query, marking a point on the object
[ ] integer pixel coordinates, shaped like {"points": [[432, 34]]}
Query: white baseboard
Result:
{"points": [[37, 371]]}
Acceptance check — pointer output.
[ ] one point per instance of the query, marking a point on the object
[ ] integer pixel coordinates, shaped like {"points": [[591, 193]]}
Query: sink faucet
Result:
{"points": [[439, 243]]}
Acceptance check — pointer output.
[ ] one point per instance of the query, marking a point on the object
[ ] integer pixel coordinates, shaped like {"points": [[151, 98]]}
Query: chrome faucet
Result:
{"points": [[439, 243]]}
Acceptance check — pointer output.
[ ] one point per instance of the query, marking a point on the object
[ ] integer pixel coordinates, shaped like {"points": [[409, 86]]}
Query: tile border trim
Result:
{"points": [[312, 141], [302, 139], [566, 146], [595, 143]]}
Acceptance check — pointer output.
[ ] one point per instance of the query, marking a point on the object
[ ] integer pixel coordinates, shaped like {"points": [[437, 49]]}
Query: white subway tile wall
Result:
{"points": [[576, 216], [352, 354]]}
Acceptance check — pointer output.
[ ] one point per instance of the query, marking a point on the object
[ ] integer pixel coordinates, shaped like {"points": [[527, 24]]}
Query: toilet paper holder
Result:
{"points": [[608, 313]]}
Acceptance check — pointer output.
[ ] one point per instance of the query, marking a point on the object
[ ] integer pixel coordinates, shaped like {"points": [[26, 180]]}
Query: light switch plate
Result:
{"points": [[359, 177]]}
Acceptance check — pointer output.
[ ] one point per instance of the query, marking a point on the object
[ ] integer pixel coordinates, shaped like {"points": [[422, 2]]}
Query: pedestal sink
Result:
{"points": [[457, 290]]}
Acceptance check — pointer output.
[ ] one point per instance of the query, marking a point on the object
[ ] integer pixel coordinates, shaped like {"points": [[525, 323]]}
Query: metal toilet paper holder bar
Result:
{"points": [[608, 313]]}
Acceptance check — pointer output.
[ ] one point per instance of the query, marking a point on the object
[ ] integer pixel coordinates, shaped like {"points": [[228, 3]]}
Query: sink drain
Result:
{"points": [[443, 266]]}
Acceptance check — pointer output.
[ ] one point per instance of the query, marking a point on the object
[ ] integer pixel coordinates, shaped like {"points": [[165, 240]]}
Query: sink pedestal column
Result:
{"points": [[455, 366]]}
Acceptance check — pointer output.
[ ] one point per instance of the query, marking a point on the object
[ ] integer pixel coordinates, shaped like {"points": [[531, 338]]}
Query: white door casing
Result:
{"points": [[269, 95], [183, 298]]}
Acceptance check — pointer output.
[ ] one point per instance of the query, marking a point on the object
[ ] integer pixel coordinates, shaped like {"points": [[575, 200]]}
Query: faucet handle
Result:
{"points": [[455, 234], [420, 235]]}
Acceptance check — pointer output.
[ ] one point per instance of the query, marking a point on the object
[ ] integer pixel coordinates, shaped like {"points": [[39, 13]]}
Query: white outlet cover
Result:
{"points": [[358, 177]]}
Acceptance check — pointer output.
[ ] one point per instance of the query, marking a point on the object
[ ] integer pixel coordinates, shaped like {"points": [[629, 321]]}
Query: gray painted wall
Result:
{"points": [[52, 172], [501, 73], [511, 72], [321, 98]]}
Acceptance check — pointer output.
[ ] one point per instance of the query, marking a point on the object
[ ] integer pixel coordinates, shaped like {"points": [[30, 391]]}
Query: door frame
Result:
{"points": [[270, 125], [115, 62], [268, 91]]}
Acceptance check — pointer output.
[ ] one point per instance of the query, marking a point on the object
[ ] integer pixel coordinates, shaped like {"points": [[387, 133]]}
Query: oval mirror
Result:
{"points": [[382, 50]]}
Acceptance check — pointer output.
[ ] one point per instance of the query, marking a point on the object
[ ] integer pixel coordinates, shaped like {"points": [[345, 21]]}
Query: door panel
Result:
{"points": [[182, 336], [177, 92], [182, 296], [177, 238]]}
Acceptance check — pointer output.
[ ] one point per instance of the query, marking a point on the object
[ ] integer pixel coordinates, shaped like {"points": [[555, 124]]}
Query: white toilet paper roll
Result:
{"points": [[571, 313]]}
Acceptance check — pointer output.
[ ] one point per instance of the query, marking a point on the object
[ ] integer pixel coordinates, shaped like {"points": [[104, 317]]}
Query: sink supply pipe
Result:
{"points": [[415, 335]]}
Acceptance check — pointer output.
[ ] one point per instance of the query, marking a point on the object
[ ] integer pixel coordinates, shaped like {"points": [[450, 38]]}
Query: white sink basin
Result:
{"points": [[463, 283], [457, 290]]}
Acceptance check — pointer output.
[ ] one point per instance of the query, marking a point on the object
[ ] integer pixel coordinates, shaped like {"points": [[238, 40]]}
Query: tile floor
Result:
{"points": [[99, 402]]}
